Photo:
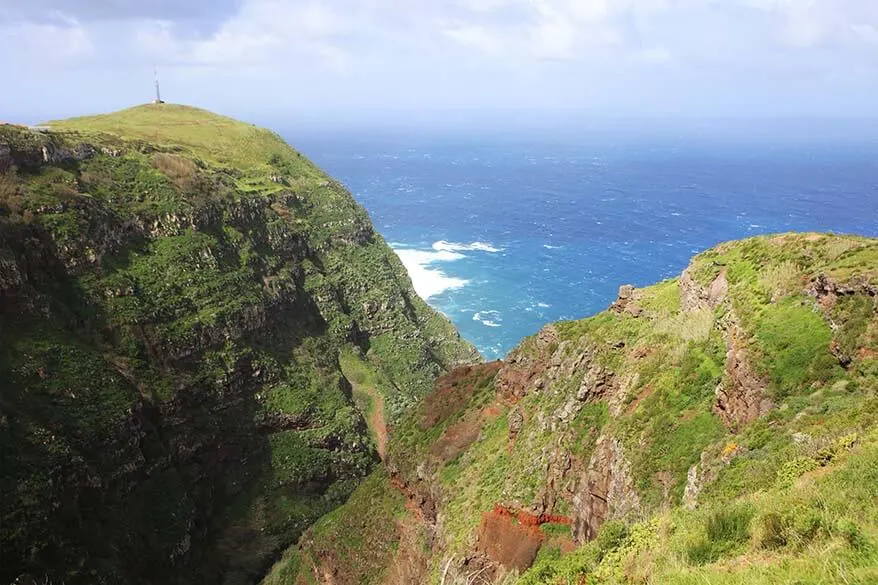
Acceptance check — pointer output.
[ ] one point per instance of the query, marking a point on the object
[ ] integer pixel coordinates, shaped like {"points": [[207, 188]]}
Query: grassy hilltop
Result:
{"points": [[222, 140], [202, 341]]}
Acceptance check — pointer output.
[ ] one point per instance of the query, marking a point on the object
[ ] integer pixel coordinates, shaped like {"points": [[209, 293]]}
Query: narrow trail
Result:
{"points": [[375, 419]]}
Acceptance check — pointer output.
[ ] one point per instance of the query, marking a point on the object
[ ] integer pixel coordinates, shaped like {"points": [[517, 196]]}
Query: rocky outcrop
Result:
{"points": [[26, 148], [625, 302], [741, 396], [612, 418], [606, 490], [695, 480], [522, 369], [597, 383], [694, 297], [826, 290]]}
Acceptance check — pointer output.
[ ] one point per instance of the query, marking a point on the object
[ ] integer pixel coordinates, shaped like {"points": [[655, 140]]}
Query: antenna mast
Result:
{"points": [[158, 94]]}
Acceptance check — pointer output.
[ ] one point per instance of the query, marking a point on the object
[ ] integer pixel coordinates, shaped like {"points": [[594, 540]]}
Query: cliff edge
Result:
{"points": [[202, 343], [720, 427]]}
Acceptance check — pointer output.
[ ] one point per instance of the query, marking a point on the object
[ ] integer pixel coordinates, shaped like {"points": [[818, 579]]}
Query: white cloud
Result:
{"points": [[804, 24], [866, 32], [654, 55], [61, 42], [476, 37], [263, 31], [431, 51]]}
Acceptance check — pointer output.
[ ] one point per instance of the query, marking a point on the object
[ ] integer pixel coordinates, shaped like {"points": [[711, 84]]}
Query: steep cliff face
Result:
{"points": [[189, 316], [719, 427]]}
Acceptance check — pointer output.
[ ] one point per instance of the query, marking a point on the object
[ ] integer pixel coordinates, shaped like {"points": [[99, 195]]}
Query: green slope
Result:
{"points": [[175, 291], [223, 140], [715, 428]]}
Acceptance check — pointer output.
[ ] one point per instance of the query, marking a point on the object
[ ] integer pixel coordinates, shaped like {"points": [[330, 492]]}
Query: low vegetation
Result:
{"points": [[181, 295], [726, 423]]}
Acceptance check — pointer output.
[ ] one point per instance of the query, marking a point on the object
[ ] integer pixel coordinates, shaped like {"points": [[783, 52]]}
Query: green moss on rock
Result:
{"points": [[175, 290]]}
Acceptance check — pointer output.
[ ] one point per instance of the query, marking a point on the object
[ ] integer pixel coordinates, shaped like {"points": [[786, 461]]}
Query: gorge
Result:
{"points": [[215, 371]]}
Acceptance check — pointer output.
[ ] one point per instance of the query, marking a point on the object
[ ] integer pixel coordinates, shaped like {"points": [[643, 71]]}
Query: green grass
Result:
{"points": [[190, 284], [778, 494], [794, 339], [216, 138], [822, 529], [360, 536]]}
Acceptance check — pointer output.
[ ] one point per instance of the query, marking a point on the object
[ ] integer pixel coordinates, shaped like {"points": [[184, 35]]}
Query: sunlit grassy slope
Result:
{"points": [[786, 495], [207, 135]]}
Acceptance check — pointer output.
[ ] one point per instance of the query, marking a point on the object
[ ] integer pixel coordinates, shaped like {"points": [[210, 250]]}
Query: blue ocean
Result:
{"points": [[504, 233]]}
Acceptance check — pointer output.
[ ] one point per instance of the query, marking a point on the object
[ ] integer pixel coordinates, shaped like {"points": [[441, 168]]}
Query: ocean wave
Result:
{"points": [[443, 246], [482, 317], [551, 247], [429, 282]]}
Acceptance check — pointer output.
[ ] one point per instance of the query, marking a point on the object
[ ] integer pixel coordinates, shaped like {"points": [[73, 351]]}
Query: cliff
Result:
{"points": [[719, 427], [202, 342]]}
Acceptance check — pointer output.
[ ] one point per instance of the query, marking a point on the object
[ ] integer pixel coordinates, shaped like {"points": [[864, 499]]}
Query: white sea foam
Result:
{"points": [[429, 282], [483, 318], [551, 247], [543, 305], [443, 246]]}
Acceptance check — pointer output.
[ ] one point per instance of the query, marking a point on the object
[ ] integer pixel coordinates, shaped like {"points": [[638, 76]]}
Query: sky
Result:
{"points": [[424, 61]]}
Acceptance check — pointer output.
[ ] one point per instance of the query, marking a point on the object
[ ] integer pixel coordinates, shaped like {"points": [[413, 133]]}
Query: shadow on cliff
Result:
{"points": [[103, 481]]}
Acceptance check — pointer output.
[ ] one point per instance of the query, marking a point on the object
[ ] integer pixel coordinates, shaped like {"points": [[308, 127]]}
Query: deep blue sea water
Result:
{"points": [[506, 233]]}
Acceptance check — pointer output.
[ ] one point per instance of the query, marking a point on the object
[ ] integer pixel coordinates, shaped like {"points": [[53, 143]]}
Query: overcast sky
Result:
{"points": [[419, 59]]}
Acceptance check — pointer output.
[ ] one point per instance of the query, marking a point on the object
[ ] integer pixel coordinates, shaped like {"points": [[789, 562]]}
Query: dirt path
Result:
{"points": [[376, 419]]}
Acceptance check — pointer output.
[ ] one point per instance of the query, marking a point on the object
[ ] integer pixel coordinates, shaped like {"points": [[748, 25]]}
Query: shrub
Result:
{"points": [[853, 534], [770, 532], [732, 525], [795, 468], [181, 171], [10, 193], [780, 280], [797, 526], [611, 536], [723, 531]]}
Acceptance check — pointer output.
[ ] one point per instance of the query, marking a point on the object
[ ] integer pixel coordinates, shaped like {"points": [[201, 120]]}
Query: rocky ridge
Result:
{"points": [[608, 449]]}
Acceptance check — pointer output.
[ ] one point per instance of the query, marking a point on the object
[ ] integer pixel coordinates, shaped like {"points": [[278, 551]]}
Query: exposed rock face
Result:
{"points": [[694, 297], [516, 421], [597, 383], [605, 492], [693, 487], [32, 149], [626, 302], [510, 544], [611, 418], [826, 290], [522, 371], [740, 397]]}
